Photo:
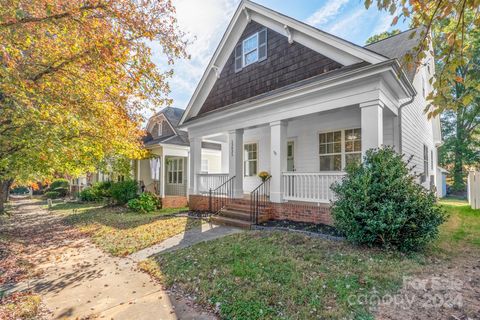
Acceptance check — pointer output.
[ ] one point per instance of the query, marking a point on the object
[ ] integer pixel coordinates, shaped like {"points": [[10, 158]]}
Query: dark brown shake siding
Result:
{"points": [[285, 64]]}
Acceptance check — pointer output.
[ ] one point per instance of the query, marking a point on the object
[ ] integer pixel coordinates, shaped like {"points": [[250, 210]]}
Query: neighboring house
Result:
{"points": [[284, 97], [166, 172]]}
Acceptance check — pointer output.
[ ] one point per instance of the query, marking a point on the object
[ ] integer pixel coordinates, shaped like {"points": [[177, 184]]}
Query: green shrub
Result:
{"points": [[380, 204], [19, 190], [58, 183], [103, 189], [124, 191], [147, 202], [88, 194], [52, 195]]}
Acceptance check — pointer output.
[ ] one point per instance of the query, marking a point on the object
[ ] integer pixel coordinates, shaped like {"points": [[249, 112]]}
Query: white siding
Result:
{"points": [[417, 129], [214, 158], [305, 133]]}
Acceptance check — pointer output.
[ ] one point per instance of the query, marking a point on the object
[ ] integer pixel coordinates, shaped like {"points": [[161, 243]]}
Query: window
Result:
{"points": [[425, 163], [251, 50], [250, 159], [353, 146], [431, 160], [339, 148], [331, 151], [175, 171], [204, 165], [160, 128]]}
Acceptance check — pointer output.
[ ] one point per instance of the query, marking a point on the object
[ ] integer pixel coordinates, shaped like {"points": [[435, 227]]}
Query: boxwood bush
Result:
{"points": [[99, 191], [59, 185], [124, 191], [52, 195], [380, 204]]}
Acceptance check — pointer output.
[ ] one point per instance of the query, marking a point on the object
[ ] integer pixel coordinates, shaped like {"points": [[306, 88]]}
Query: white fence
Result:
{"points": [[210, 181], [474, 189], [310, 187]]}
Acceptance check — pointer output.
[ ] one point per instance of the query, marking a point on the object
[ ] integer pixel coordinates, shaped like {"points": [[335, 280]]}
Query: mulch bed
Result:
{"points": [[311, 229]]}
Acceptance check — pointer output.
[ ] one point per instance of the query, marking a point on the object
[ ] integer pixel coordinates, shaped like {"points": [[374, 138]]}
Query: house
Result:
{"points": [[165, 173], [281, 96]]}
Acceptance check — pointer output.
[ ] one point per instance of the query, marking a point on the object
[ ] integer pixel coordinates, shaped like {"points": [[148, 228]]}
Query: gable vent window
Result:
{"points": [[252, 49]]}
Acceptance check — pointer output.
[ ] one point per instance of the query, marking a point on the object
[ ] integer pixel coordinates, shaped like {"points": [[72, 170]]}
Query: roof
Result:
{"points": [[397, 46], [338, 49], [173, 116]]}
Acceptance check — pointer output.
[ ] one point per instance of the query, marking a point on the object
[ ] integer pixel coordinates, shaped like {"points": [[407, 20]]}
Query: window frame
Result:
{"points": [[204, 162], [425, 163], [174, 178], [247, 161], [343, 153], [244, 54]]}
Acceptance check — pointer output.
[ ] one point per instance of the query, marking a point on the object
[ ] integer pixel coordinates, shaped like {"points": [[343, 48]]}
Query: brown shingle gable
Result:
{"points": [[285, 64]]}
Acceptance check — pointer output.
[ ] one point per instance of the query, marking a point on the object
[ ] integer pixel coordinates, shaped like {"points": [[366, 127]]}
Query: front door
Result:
{"points": [[290, 156]]}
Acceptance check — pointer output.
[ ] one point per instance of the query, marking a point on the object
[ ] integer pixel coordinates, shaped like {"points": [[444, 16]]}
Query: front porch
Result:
{"points": [[304, 155]]}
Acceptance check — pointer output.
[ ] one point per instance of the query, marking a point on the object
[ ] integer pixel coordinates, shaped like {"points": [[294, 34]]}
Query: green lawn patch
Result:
{"points": [[271, 275], [462, 230], [121, 232]]}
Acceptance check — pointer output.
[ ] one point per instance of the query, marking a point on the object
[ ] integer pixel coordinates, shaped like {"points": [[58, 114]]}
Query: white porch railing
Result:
{"points": [[207, 181], [309, 186]]}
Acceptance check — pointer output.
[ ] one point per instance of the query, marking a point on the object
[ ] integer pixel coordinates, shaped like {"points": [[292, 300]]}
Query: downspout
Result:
{"points": [[400, 122]]}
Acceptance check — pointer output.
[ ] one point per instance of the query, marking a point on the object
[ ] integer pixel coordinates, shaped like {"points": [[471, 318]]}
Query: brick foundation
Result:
{"points": [[198, 202], [175, 202], [301, 212], [295, 211]]}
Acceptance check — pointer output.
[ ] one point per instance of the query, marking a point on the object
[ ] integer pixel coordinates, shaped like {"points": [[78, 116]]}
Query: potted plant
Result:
{"points": [[264, 175]]}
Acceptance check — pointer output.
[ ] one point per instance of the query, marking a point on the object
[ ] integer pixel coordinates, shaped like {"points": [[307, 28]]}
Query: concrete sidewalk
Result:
{"points": [[207, 232]]}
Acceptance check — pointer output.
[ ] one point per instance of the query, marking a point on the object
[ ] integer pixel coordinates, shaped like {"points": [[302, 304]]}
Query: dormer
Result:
{"points": [[159, 127]]}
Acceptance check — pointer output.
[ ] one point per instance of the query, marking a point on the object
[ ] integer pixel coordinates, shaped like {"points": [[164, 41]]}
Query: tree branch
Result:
{"points": [[52, 17]]}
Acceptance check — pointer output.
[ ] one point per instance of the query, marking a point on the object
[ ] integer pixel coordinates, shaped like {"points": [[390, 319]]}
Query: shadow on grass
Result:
{"points": [[116, 217]]}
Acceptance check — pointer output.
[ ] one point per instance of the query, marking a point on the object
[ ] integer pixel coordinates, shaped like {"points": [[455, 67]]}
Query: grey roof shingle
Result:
{"points": [[180, 138], [397, 46]]}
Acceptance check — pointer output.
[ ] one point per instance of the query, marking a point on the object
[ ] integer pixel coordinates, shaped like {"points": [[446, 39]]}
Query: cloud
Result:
{"points": [[349, 25], [327, 12], [204, 23]]}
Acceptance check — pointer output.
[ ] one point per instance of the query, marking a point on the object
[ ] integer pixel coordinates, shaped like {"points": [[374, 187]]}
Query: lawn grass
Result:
{"points": [[121, 232], [272, 275], [462, 230]]}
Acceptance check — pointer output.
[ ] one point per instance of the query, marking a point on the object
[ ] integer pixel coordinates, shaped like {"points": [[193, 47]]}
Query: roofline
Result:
{"points": [[394, 35], [392, 63], [161, 112], [314, 32]]}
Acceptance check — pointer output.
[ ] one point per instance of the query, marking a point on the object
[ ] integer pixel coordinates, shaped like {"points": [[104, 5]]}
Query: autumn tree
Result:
{"points": [[461, 120], [75, 78], [443, 20], [382, 35]]}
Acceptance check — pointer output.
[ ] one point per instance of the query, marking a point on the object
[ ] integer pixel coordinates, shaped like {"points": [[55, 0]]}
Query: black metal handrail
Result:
{"points": [[259, 199], [221, 196]]}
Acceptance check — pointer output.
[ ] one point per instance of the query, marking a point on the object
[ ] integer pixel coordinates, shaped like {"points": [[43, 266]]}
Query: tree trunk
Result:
{"points": [[4, 191], [458, 181]]}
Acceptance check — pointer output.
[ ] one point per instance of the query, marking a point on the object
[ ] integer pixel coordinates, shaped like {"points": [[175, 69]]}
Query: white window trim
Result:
{"points": [[248, 160], [179, 169], [342, 153], [204, 165], [244, 64]]}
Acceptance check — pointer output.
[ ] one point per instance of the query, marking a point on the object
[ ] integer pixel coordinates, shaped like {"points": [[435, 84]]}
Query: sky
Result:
{"points": [[205, 21]]}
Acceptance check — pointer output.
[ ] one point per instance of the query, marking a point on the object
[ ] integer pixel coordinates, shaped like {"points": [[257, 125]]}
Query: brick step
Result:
{"points": [[233, 214], [238, 207], [231, 222]]}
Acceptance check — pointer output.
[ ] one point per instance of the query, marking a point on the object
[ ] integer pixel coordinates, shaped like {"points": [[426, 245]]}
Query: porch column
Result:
{"points": [[372, 125], [162, 176], [195, 163], [224, 157], [235, 161], [278, 158]]}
